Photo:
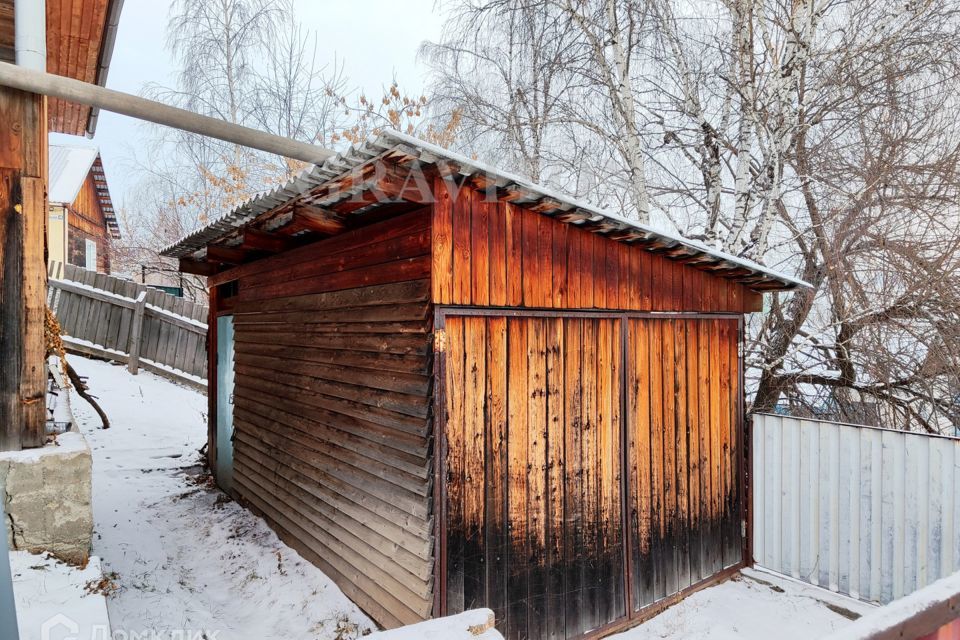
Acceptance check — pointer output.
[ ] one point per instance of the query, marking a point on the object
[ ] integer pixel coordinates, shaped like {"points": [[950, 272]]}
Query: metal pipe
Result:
{"points": [[8, 607], [30, 34], [157, 112]]}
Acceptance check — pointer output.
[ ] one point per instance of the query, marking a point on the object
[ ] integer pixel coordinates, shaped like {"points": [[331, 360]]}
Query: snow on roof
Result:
{"points": [[69, 166], [427, 153]]}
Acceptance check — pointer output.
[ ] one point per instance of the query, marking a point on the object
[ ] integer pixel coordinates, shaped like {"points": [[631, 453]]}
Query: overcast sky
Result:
{"points": [[374, 39]]}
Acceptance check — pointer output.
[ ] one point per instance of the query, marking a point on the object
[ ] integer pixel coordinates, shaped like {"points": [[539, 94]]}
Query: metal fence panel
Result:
{"points": [[871, 513]]}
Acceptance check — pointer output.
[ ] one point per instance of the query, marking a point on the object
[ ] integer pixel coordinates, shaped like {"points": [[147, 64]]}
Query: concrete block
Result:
{"points": [[47, 498]]}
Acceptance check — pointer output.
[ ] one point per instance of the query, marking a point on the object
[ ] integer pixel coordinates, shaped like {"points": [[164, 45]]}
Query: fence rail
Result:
{"points": [[125, 321], [871, 513]]}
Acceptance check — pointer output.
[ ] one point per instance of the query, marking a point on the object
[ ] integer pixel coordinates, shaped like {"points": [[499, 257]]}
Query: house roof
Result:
{"points": [[394, 144], [80, 40], [69, 167]]}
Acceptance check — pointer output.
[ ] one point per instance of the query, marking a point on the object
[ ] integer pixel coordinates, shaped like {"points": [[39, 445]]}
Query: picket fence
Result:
{"points": [[117, 319], [867, 512]]}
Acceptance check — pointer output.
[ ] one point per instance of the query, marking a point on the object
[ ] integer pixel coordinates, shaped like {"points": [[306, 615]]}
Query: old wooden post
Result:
{"points": [[23, 162], [136, 328]]}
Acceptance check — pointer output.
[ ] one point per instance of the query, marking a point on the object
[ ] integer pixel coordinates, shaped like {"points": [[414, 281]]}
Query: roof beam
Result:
{"points": [[263, 241], [317, 219], [197, 267], [227, 255]]}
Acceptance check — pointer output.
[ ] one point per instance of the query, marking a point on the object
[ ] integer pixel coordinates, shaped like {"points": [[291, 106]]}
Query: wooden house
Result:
{"points": [[82, 220], [450, 388]]}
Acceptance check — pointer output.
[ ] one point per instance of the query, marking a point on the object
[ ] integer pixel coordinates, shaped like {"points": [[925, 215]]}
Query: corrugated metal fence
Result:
{"points": [[871, 513], [125, 321]]}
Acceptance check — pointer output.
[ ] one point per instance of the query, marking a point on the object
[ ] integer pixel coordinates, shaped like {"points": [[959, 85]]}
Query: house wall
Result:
{"points": [[500, 254], [87, 222], [57, 234], [332, 409]]}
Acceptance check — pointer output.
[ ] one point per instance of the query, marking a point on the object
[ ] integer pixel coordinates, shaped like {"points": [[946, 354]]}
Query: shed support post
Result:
{"points": [[136, 329], [23, 274]]}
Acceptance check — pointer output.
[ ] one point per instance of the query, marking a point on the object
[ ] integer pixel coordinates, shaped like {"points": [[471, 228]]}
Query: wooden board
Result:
{"points": [[500, 254]]}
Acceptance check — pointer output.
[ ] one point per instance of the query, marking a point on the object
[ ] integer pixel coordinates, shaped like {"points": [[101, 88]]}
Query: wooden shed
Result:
{"points": [[450, 388]]}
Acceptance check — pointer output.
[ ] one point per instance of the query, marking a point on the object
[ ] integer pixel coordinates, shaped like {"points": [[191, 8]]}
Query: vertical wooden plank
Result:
{"points": [[611, 275], [573, 476], [573, 267], [532, 289], [598, 257], [462, 259], [536, 480], [638, 380], [693, 452], [33, 371], [555, 624], [561, 234], [480, 251], [671, 507], [442, 243], [614, 520], [605, 471], [588, 381], [497, 467], [454, 467], [683, 460], [715, 545], [587, 259], [474, 457], [517, 452], [545, 259], [498, 254], [657, 457], [513, 220]]}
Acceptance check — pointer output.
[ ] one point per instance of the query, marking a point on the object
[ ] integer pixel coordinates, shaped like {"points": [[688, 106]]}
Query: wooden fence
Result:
{"points": [[867, 512], [121, 320]]}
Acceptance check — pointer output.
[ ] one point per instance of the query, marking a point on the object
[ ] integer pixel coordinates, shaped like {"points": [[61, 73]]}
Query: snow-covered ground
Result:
{"points": [[187, 559], [755, 605]]}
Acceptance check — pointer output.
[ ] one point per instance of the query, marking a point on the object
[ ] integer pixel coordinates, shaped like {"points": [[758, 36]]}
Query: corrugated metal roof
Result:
{"points": [[69, 166], [426, 153]]}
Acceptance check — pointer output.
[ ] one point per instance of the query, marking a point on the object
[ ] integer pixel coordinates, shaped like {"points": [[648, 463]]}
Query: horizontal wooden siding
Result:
{"points": [[332, 409]]}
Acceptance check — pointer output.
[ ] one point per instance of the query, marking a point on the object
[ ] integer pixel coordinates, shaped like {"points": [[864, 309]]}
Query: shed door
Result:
{"points": [[533, 494], [225, 380], [683, 477]]}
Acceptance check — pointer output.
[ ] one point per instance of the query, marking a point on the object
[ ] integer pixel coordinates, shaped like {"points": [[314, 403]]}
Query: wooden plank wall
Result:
{"points": [[683, 453], [332, 409], [86, 220], [500, 254], [533, 443]]}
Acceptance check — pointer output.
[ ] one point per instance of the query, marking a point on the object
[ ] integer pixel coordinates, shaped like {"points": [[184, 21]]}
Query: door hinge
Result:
{"points": [[439, 341]]}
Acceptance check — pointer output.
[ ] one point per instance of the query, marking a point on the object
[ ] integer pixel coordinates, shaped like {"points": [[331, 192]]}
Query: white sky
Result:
{"points": [[374, 39]]}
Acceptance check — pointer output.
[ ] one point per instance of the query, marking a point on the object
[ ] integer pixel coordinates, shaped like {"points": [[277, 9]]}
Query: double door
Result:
{"points": [[590, 465]]}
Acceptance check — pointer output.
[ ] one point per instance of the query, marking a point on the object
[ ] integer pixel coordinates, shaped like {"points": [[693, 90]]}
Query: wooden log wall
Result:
{"points": [[332, 409], [500, 254], [541, 413]]}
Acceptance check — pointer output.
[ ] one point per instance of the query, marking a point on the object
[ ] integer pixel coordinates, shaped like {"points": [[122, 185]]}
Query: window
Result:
{"points": [[90, 255]]}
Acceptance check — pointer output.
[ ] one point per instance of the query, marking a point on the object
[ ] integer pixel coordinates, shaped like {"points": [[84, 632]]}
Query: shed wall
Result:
{"points": [[332, 410], [502, 255]]}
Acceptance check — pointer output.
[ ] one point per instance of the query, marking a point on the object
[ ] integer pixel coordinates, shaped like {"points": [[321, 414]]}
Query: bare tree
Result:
{"points": [[817, 136]]}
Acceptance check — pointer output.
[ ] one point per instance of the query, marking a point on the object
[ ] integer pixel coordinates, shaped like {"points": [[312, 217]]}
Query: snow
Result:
{"points": [[470, 625], [935, 605], [755, 605], [65, 444], [188, 559], [49, 591]]}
